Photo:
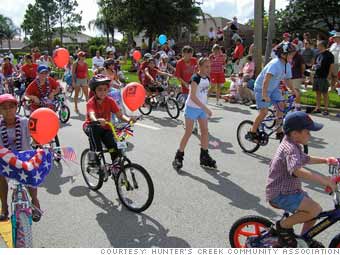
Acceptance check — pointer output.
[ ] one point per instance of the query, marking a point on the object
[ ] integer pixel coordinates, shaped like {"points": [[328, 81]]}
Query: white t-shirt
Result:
{"points": [[211, 34], [99, 62], [201, 91], [112, 48], [335, 50], [236, 37]]}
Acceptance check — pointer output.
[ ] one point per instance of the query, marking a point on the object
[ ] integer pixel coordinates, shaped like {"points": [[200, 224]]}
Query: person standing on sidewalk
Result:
{"points": [[217, 61], [298, 69], [323, 67]]}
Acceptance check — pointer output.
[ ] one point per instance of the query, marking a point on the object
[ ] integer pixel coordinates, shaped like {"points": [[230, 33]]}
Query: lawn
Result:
{"points": [[307, 98]]}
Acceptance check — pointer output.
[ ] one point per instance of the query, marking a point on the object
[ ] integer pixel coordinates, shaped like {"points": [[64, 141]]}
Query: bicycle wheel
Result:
{"points": [[23, 231], [146, 108], [246, 227], [135, 188], [242, 130], [172, 108], [93, 176], [64, 113], [270, 119], [181, 99]]}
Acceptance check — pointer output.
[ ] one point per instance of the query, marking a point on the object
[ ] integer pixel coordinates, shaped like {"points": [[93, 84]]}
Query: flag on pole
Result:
{"points": [[69, 153]]}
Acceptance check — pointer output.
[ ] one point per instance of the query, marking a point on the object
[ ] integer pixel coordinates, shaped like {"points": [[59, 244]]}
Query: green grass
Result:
{"points": [[307, 98]]}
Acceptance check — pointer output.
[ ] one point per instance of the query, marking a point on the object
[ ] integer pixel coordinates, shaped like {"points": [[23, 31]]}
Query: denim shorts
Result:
{"points": [[289, 203], [275, 97], [194, 113]]}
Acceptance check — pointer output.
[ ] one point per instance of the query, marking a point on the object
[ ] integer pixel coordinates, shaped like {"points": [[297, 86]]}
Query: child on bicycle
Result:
{"points": [[14, 135], [196, 109], [99, 109], [283, 189], [267, 87], [42, 89]]}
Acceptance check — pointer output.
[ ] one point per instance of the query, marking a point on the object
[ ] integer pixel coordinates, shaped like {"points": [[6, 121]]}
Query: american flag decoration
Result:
{"points": [[27, 167], [69, 153]]}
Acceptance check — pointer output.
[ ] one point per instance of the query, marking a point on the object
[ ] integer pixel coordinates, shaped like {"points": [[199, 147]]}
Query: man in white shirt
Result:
{"points": [[211, 34], [335, 50], [97, 61], [111, 48], [10, 54]]}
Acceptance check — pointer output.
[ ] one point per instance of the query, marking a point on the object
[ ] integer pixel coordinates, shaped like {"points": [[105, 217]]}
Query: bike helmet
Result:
{"points": [[98, 80], [284, 48], [108, 62], [7, 98], [147, 56]]}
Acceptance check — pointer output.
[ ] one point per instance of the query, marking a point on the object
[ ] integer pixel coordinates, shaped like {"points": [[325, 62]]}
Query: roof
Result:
{"points": [[16, 44], [74, 38]]}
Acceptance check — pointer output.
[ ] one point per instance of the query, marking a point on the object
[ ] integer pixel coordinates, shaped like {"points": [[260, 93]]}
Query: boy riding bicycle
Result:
{"points": [[267, 87], [99, 109], [283, 189]]}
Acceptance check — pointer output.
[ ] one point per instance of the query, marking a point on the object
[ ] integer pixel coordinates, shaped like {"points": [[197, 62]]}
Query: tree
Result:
{"points": [[32, 25], [7, 30], [310, 15], [270, 31], [67, 19]]}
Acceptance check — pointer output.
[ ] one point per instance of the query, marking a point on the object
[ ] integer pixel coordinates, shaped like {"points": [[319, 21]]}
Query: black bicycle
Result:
{"points": [[133, 183]]}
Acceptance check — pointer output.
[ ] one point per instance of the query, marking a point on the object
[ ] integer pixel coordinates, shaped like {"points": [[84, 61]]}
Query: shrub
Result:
{"points": [[92, 50]]}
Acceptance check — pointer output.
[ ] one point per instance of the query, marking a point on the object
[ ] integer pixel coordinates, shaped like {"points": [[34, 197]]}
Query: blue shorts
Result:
{"points": [[289, 203], [194, 113], [275, 97]]}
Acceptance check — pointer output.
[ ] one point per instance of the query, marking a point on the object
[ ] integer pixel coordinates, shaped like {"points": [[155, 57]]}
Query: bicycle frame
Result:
{"points": [[20, 202]]}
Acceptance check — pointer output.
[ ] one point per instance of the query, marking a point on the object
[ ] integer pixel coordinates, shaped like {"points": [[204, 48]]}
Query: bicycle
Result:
{"points": [[128, 177], [258, 232], [21, 207], [266, 129], [161, 99]]}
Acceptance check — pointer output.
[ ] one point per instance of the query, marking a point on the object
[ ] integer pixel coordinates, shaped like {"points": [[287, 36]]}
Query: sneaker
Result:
{"points": [[286, 236], [218, 104], [325, 113], [279, 136], [252, 137], [206, 160], [316, 111]]}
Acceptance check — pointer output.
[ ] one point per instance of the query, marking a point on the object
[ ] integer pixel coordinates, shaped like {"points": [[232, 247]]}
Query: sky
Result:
{"points": [[243, 9]]}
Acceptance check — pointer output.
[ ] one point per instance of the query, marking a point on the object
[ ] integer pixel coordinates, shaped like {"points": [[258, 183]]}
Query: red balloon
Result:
{"points": [[133, 95], [137, 55], [61, 57], [43, 125]]}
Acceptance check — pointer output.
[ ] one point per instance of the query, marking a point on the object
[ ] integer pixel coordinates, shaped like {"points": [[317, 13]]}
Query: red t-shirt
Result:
{"points": [[153, 72], [8, 69], [30, 70], [185, 71], [238, 52], [81, 70], [36, 56], [33, 90], [141, 73], [217, 63], [103, 110]]}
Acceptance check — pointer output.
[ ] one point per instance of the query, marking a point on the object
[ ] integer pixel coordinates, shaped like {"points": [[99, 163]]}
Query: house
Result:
{"points": [[16, 44], [79, 38]]}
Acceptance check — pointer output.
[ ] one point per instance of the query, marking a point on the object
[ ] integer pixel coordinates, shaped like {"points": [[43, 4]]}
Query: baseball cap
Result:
{"points": [[42, 68], [297, 121]]}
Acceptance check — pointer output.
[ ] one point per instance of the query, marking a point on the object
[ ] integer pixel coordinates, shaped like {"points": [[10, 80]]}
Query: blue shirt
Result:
{"points": [[277, 68]]}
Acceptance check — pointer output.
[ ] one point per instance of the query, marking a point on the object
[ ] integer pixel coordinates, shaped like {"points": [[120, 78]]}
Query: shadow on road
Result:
{"points": [[262, 159], [78, 116], [127, 229], [165, 122], [54, 180], [238, 197], [236, 109], [217, 144], [316, 142]]}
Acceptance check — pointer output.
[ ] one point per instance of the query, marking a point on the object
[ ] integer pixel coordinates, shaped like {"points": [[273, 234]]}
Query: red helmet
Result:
{"points": [[286, 35], [7, 98]]}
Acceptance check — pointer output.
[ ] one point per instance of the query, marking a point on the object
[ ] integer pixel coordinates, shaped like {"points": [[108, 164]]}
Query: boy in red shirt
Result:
{"points": [[29, 69], [185, 68], [99, 109], [42, 89]]}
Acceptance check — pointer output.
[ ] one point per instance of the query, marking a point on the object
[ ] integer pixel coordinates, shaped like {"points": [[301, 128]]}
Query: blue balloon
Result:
{"points": [[162, 39]]}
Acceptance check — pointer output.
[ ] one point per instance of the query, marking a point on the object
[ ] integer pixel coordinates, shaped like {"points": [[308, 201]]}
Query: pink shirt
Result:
{"points": [[249, 69], [217, 63]]}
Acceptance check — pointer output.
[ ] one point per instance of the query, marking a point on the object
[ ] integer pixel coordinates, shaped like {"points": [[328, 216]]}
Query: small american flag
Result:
{"points": [[69, 153]]}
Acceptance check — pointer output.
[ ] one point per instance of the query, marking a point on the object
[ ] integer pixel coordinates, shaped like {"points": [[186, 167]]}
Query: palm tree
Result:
{"points": [[7, 30], [271, 30]]}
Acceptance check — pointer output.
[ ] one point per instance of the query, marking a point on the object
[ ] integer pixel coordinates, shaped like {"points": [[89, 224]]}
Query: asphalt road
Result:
{"points": [[193, 209]]}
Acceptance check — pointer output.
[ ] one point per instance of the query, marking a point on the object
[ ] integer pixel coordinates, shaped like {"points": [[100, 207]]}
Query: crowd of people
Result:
{"points": [[292, 61]]}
